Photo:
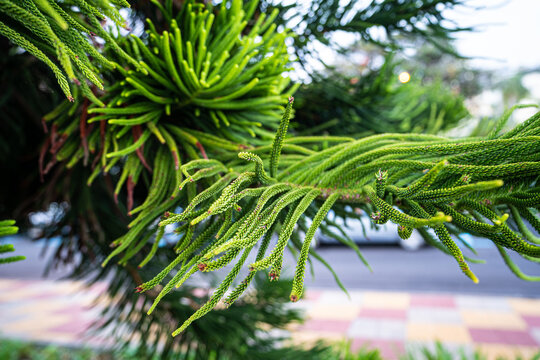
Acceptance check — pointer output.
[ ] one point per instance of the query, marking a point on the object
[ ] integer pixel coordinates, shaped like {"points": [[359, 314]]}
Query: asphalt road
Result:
{"points": [[394, 269], [425, 270]]}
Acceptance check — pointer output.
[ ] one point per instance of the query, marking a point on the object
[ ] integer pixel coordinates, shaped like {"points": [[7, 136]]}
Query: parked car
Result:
{"points": [[363, 231]]}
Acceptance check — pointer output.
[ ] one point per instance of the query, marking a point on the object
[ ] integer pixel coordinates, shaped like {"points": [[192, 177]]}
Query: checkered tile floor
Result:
{"points": [[392, 322], [49, 311], [60, 312]]}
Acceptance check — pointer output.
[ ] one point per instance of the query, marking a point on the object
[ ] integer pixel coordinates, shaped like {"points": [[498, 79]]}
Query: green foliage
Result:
{"points": [[222, 333], [185, 123], [7, 227], [191, 104], [440, 352], [59, 33], [18, 350], [278, 139], [343, 351], [209, 69], [12, 349], [449, 185]]}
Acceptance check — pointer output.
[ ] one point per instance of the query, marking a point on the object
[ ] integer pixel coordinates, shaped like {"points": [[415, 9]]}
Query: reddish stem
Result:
{"points": [[53, 134], [44, 124], [41, 160], [176, 161], [56, 145], [137, 132], [82, 129], [201, 148], [130, 186]]}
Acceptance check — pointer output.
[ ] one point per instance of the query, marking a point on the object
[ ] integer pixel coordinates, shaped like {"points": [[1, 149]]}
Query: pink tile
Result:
{"points": [[383, 313], [19, 284], [312, 295], [532, 321], [388, 350], [433, 300], [508, 337], [326, 325], [72, 309], [46, 295], [99, 287], [75, 326]]}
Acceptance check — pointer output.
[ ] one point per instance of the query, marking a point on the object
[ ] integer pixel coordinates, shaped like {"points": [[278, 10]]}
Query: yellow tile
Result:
{"points": [[47, 306], [14, 294], [7, 284], [103, 301], [38, 310], [496, 351], [493, 320], [334, 312], [432, 332], [70, 287], [308, 338], [47, 337], [289, 327], [39, 325], [526, 306], [382, 300]]}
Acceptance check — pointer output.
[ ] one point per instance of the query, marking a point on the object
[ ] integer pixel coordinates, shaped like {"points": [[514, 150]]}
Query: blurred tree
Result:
{"points": [[513, 89], [430, 64], [385, 24], [372, 100]]}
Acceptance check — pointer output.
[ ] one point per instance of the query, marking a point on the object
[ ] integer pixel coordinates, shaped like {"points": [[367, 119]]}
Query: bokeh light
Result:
{"points": [[404, 77]]}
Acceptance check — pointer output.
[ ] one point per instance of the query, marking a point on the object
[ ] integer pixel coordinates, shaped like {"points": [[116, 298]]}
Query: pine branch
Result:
{"points": [[440, 176], [181, 104], [55, 33], [7, 227], [179, 108]]}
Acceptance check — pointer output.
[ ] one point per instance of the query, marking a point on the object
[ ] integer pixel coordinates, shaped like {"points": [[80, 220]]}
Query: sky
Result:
{"points": [[507, 39], [507, 35]]}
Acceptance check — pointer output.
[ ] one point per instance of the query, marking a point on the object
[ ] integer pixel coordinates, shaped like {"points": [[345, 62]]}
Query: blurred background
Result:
{"points": [[475, 61]]}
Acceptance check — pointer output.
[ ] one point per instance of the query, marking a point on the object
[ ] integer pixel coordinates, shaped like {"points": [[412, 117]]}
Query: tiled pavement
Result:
{"points": [[44, 311], [59, 312], [393, 322]]}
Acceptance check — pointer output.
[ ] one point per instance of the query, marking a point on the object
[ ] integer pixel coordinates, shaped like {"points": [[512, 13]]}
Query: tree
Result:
{"points": [[185, 126]]}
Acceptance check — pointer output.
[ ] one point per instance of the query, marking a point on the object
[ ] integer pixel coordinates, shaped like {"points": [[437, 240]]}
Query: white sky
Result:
{"points": [[507, 39], [507, 36]]}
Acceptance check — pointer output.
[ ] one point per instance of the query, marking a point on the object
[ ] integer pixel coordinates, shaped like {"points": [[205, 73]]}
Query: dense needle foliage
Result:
{"points": [[181, 126], [474, 185], [62, 31]]}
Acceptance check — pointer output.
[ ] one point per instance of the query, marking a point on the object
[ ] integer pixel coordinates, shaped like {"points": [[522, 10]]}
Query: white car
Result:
{"points": [[369, 233]]}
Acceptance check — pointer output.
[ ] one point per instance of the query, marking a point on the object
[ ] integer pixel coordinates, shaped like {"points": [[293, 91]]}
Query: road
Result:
{"points": [[425, 270], [394, 269]]}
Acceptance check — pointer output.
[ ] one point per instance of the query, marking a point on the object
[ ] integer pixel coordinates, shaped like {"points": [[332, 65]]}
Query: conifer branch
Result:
{"points": [[153, 120], [439, 174], [7, 227], [55, 33], [191, 110]]}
